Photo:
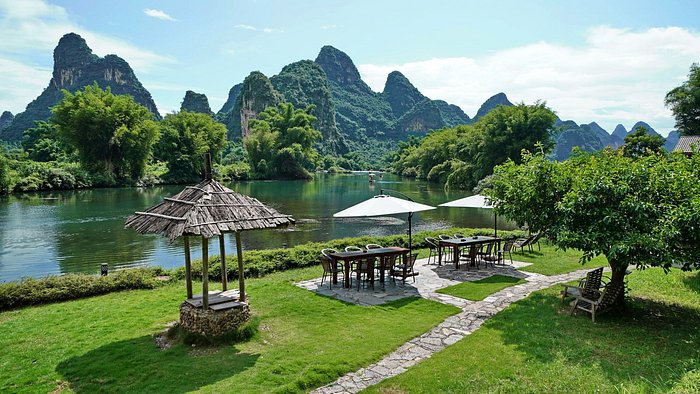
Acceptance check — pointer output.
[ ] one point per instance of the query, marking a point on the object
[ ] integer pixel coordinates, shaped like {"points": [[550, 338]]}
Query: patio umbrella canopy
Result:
{"points": [[475, 201], [382, 205]]}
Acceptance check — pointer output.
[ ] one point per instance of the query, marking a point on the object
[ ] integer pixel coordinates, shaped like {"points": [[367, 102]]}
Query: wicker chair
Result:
{"points": [[362, 268], [327, 270], [488, 255], [338, 265], [433, 246], [405, 270]]}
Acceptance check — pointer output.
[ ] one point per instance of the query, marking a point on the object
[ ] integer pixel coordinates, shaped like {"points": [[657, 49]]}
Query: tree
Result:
{"points": [[4, 173], [185, 137], [641, 211], [43, 143], [641, 143], [280, 143], [113, 134], [461, 156], [684, 102]]}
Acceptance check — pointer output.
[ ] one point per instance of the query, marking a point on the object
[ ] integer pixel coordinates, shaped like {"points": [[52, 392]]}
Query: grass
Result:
{"points": [[550, 260], [482, 288], [535, 346], [105, 343]]}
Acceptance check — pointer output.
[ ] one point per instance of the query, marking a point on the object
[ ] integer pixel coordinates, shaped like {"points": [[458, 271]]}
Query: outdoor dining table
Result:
{"points": [[457, 243], [348, 257]]}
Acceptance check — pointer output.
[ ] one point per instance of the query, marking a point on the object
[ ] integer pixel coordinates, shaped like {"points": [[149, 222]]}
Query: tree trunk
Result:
{"points": [[618, 278]]}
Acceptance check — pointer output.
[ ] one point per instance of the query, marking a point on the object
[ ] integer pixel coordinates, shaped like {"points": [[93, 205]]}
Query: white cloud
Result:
{"points": [[30, 30], [162, 15], [617, 76], [328, 27], [253, 28]]}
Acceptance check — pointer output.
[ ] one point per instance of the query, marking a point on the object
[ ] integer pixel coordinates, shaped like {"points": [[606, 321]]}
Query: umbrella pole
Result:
{"points": [[188, 268], [241, 277], [205, 273], [224, 272], [410, 215], [495, 225]]}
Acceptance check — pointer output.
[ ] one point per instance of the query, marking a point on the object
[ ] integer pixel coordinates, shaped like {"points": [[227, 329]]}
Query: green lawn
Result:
{"points": [[550, 260], [482, 288], [105, 344], [535, 346]]}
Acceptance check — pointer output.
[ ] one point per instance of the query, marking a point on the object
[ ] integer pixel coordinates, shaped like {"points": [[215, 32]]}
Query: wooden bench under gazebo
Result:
{"points": [[209, 210]]}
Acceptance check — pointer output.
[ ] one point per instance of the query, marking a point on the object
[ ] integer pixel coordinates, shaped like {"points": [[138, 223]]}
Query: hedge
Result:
{"points": [[257, 263], [30, 291]]}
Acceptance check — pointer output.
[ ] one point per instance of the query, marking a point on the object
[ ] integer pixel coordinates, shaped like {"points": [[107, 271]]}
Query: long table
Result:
{"points": [[348, 257], [457, 243]]}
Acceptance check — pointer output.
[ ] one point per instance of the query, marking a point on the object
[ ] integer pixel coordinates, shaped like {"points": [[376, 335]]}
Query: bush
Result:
{"points": [[257, 263], [67, 287]]}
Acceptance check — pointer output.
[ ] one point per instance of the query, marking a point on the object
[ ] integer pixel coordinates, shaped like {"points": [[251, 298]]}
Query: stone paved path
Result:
{"points": [[454, 328]]}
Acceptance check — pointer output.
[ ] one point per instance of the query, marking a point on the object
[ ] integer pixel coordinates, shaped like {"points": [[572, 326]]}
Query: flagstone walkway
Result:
{"points": [[454, 328]]}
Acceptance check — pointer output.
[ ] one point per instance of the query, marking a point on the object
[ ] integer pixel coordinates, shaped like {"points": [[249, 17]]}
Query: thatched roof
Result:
{"points": [[208, 209]]}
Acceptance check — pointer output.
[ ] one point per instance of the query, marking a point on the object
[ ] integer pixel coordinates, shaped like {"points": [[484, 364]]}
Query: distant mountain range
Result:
{"points": [[348, 112]]}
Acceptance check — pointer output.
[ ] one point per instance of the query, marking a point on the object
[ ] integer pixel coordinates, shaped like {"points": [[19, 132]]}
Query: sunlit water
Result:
{"points": [[75, 231]]}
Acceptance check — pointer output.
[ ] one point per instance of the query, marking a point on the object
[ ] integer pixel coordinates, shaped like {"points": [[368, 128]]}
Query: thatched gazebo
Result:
{"points": [[208, 209]]}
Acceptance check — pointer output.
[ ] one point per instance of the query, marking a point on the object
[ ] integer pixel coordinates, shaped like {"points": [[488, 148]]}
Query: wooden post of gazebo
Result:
{"points": [[205, 273], [222, 255], [241, 277], [188, 268]]}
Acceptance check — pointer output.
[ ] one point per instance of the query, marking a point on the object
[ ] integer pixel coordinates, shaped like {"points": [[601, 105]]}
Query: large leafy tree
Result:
{"points": [[459, 157], [640, 143], [640, 211], [43, 143], [185, 137], [113, 134], [684, 102], [280, 143]]}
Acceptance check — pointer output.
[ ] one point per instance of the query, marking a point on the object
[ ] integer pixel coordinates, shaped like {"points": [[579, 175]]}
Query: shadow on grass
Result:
{"points": [[693, 282], [139, 365], [639, 342]]}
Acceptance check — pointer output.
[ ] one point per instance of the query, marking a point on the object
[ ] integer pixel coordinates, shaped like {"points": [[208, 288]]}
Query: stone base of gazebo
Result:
{"points": [[213, 323]]}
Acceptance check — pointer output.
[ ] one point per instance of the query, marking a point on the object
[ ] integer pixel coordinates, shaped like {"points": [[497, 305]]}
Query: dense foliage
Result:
{"points": [[185, 137], [640, 143], [280, 143], [73, 286], [635, 211], [459, 157], [684, 102], [113, 134]]}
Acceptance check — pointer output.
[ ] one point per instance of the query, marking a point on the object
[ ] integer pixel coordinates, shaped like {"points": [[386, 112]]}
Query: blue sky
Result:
{"points": [[604, 61]]}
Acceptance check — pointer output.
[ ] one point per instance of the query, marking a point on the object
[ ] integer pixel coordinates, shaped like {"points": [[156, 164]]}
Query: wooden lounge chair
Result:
{"points": [[592, 281], [522, 243], [597, 301], [405, 270]]}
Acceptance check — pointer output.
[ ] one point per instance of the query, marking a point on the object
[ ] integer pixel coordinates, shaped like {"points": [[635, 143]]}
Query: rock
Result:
{"points": [[213, 323], [493, 102], [196, 102], [75, 66], [257, 93]]}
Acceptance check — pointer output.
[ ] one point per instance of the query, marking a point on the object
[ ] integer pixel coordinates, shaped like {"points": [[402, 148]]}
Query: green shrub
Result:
{"points": [[71, 286], [257, 263]]}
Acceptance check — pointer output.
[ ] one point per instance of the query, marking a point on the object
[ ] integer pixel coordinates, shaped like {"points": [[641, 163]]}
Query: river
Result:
{"points": [[74, 231]]}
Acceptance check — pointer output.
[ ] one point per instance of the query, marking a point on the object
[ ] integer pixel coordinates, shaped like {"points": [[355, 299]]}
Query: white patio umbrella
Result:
{"points": [[475, 201], [382, 205]]}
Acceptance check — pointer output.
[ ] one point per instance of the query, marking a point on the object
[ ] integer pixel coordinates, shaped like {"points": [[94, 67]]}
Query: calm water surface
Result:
{"points": [[75, 231]]}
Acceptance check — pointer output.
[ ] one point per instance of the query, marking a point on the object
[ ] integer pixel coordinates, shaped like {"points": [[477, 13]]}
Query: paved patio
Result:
{"points": [[450, 331], [429, 280]]}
